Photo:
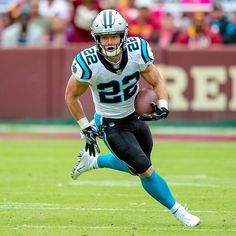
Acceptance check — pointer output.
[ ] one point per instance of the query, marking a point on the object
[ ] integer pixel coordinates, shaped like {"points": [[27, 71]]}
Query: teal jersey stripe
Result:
{"points": [[86, 72], [144, 51]]}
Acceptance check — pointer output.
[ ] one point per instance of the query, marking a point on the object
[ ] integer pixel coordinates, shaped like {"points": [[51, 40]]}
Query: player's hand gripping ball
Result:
{"points": [[144, 100]]}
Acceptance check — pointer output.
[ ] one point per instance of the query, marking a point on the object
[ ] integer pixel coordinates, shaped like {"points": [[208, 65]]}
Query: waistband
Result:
{"points": [[132, 116]]}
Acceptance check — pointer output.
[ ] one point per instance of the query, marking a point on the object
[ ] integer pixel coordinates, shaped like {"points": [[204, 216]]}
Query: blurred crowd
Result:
{"points": [[61, 22]]}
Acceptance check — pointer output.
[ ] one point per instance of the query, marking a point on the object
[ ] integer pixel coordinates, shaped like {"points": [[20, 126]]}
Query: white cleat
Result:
{"points": [[85, 163], [185, 218]]}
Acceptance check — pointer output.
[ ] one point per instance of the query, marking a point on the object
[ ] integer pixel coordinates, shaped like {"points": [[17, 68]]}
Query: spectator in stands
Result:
{"points": [[220, 23], [184, 21], [6, 20], [22, 31], [199, 34], [59, 13], [108, 4], [36, 18], [52, 8], [128, 10], [83, 14], [144, 25], [168, 31]]}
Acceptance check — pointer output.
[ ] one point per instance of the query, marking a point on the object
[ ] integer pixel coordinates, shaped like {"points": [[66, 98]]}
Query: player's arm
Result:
{"points": [[152, 76], [74, 90]]}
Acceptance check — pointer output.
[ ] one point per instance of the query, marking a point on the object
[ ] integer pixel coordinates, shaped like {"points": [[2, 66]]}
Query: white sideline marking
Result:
{"points": [[48, 206], [106, 183], [73, 194], [187, 176], [172, 228], [137, 183]]}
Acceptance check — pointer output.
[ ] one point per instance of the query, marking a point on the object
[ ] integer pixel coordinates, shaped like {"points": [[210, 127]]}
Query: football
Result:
{"points": [[143, 101]]}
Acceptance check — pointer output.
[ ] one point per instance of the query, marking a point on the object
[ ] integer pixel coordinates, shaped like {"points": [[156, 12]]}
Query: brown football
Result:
{"points": [[143, 101]]}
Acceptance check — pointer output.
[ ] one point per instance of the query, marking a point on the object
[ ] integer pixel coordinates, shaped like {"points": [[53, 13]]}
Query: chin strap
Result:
{"points": [[115, 53]]}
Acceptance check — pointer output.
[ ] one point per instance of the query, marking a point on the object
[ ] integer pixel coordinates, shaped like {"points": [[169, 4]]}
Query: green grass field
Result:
{"points": [[38, 197]]}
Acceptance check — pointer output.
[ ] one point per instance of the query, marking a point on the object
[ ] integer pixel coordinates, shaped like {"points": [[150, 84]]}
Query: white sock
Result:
{"points": [[175, 207]]}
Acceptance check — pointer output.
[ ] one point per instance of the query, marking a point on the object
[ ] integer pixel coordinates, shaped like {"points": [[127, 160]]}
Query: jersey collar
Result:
{"points": [[110, 67]]}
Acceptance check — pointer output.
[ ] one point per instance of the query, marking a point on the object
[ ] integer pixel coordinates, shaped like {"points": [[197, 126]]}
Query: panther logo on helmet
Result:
{"points": [[107, 22]]}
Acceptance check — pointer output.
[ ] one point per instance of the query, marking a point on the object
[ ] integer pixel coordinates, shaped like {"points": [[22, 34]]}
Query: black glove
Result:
{"points": [[90, 135], [159, 113]]}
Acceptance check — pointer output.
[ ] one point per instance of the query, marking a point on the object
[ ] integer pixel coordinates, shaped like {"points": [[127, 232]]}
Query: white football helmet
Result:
{"points": [[110, 21]]}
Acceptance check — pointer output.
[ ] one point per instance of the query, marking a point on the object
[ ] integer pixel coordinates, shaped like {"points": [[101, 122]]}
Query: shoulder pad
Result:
{"points": [[140, 46], [82, 66]]}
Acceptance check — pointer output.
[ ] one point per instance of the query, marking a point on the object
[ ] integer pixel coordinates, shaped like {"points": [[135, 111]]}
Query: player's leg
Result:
{"points": [[133, 154], [112, 162], [151, 181], [156, 185], [127, 147], [87, 162]]}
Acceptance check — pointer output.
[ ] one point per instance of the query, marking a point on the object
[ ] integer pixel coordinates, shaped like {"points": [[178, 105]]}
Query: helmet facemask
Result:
{"points": [[120, 47], [110, 22]]}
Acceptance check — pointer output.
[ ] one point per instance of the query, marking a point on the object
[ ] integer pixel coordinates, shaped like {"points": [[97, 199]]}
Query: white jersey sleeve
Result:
{"points": [[140, 52], [81, 65]]}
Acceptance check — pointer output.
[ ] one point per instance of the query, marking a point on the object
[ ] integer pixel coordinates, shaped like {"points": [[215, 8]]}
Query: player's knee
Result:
{"points": [[148, 172], [141, 164], [132, 171], [138, 162]]}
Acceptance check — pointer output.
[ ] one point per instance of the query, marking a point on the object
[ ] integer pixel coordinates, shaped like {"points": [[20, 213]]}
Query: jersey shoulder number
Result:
{"points": [[82, 66], [141, 47]]}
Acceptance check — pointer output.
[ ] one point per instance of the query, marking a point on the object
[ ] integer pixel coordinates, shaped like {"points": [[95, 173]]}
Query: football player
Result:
{"points": [[112, 69]]}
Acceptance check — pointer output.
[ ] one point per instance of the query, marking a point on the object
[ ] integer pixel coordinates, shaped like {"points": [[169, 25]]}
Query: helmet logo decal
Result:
{"points": [[107, 19]]}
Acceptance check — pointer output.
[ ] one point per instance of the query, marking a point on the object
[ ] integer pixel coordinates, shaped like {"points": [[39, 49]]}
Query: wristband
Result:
{"points": [[163, 103], [83, 123]]}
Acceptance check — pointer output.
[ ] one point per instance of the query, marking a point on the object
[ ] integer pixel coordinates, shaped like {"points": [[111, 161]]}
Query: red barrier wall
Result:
{"points": [[24, 89], [201, 83]]}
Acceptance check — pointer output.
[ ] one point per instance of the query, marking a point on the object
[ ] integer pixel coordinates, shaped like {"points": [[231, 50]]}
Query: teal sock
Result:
{"points": [[157, 187], [112, 162]]}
